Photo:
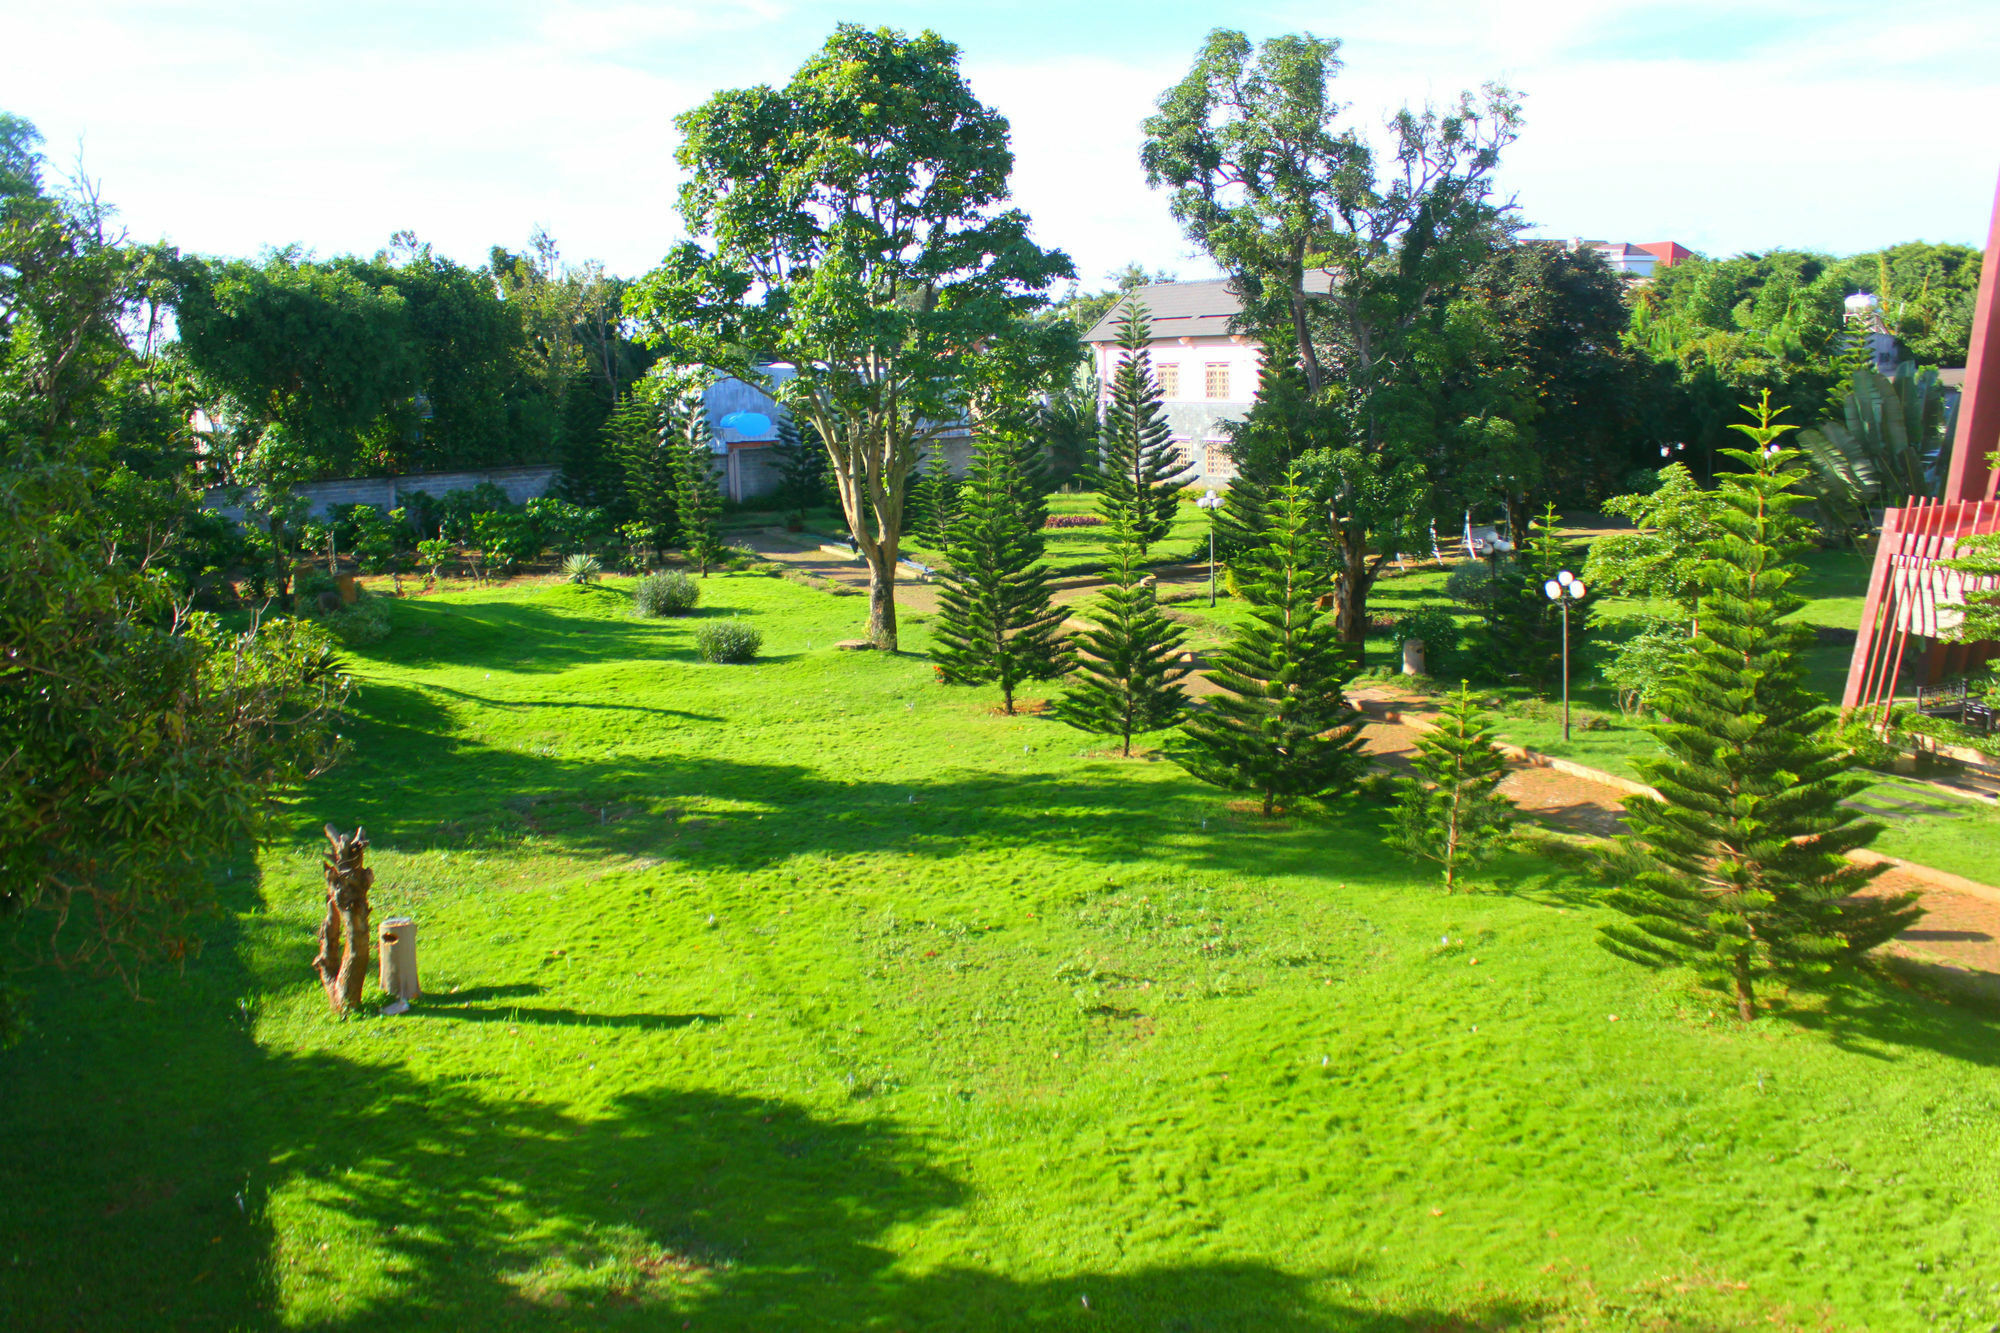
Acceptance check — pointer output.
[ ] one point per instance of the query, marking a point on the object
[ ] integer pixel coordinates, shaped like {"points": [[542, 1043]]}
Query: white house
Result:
{"points": [[1207, 375]]}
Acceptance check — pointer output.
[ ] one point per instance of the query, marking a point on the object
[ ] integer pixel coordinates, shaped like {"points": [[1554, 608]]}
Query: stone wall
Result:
{"points": [[520, 483]]}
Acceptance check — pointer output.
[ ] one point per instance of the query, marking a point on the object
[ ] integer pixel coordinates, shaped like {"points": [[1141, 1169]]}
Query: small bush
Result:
{"points": [[729, 641], [1472, 582], [669, 594], [357, 626], [581, 568], [1434, 626]]}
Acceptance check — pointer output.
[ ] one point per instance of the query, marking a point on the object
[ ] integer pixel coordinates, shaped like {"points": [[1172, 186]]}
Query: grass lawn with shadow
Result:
{"points": [[815, 994]]}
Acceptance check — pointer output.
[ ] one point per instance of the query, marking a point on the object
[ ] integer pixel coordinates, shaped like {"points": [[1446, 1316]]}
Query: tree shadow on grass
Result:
{"points": [[1871, 1016], [159, 1168]]}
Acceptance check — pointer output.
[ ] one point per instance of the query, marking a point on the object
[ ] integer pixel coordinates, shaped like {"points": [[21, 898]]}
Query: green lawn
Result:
{"points": [[812, 994]]}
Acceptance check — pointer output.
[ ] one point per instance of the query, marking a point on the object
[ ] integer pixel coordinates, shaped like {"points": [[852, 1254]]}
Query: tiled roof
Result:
{"points": [[1185, 309]]}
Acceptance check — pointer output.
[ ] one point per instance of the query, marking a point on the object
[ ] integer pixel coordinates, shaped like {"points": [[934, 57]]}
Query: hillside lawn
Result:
{"points": [[814, 994]]}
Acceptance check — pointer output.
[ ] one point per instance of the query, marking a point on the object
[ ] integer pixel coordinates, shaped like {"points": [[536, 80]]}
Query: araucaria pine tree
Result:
{"points": [[801, 469], [1521, 638], [1738, 870], [933, 500], [697, 499], [1140, 477], [1283, 728], [995, 622], [1126, 677], [1449, 812], [641, 438]]}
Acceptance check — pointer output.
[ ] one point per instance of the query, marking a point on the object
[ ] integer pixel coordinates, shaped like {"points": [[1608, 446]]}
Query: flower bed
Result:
{"points": [[1073, 521]]}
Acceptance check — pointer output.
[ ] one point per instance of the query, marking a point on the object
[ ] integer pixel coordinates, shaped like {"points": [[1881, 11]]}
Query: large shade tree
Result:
{"points": [[1348, 260], [853, 224]]}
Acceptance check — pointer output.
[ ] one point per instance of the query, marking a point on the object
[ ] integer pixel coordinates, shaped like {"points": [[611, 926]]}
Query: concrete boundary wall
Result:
{"points": [[520, 483]]}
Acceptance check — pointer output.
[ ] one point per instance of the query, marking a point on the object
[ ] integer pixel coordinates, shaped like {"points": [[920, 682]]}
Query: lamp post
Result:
{"points": [[1211, 502], [1563, 589]]}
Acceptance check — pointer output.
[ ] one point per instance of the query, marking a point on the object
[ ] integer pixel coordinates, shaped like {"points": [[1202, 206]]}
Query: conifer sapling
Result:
{"points": [[1127, 680], [1739, 868], [697, 499], [1140, 480], [1449, 812]]}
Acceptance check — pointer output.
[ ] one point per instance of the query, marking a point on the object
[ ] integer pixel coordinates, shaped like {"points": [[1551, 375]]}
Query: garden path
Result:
{"points": [[1960, 929]]}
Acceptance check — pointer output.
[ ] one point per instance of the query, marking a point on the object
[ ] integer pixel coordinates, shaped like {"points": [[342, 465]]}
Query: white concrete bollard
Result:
{"points": [[399, 958], [1413, 657]]}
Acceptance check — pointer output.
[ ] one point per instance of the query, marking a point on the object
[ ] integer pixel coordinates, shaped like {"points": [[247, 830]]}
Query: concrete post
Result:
{"points": [[399, 958]]}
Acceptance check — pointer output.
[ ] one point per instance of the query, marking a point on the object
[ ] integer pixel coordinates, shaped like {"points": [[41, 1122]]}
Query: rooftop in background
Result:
{"points": [[1635, 261], [1185, 309]]}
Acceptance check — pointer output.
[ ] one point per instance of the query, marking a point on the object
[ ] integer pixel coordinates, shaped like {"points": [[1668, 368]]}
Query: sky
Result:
{"points": [[1726, 125]]}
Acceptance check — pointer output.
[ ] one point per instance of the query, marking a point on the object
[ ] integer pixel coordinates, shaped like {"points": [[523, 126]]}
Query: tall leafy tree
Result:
{"points": [[1283, 727], [1138, 476], [995, 620], [1450, 811], [1127, 678], [697, 495], [1349, 263], [852, 223], [139, 741], [1739, 869]]}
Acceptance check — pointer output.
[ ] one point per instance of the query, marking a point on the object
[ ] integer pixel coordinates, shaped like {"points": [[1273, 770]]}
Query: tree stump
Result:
{"points": [[399, 958], [346, 924]]}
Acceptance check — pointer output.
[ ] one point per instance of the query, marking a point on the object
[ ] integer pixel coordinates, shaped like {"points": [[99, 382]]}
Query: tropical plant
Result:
{"points": [[1450, 812], [671, 593], [1739, 867], [1891, 442], [1282, 727], [728, 642], [1138, 474], [582, 568], [995, 621], [1126, 677]]}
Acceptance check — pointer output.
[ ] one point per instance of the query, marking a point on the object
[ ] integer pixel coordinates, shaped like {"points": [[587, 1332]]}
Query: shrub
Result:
{"points": [[669, 594], [1471, 583], [1073, 521], [434, 553], [1434, 626], [729, 641], [365, 622], [1642, 665], [582, 568]]}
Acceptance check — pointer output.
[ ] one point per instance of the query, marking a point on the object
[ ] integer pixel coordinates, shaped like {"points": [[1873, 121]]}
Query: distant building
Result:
{"points": [[1635, 261], [1207, 374]]}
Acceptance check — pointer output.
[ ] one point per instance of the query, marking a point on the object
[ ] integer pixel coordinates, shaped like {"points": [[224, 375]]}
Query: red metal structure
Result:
{"points": [[1909, 594]]}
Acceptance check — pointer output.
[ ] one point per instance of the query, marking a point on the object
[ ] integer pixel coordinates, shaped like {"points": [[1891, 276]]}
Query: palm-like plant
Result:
{"points": [[1892, 441], [582, 568]]}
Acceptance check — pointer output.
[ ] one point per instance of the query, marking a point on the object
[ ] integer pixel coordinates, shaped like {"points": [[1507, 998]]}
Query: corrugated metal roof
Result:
{"points": [[1186, 309]]}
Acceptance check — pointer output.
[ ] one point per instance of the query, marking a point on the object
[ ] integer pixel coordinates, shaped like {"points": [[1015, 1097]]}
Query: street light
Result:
{"points": [[1563, 589], [1211, 502]]}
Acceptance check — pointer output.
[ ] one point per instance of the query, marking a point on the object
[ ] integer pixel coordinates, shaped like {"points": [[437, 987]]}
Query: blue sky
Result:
{"points": [[1726, 126]]}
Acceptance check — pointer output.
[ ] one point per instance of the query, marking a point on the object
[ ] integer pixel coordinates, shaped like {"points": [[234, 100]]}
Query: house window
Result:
{"points": [[1220, 464], [1180, 453], [1168, 374], [1215, 379]]}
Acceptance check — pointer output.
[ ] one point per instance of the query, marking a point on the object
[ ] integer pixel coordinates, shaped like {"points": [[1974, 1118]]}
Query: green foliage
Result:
{"points": [[995, 622], [855, 227], [1738, 869], [934, 501], [1283, 728], [697, 493], [1890, 443], [639, 435], [566, 527], [366, 621], [1979, 557], [1521, 634], [1450, 812], [1127, 679], [728, 642], [802, 478], [1433, 626], [505, 538], [582, 569], [1138, 475], [1351, 267], [1925, 294], [434, 552], [1664, 557], [670, 593], [1644, 664]]}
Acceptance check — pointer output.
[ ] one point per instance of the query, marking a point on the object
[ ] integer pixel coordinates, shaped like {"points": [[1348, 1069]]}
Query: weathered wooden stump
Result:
{"points": [[399, 958], [346, 923]]}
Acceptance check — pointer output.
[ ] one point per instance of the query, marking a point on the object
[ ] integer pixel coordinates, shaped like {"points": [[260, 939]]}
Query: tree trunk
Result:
{"points": [[1746, 1001], [881, 599], [347, 885]]}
